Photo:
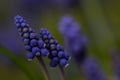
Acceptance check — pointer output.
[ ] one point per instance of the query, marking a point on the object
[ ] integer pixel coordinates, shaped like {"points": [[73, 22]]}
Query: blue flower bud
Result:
{"points": [[61, 54], [41, 44], [26, 41], [45, 36], [56, 59], [63, 62], [44, 52], [54, 52], [59, 47], [53, 64], [52, 46], [17, 18], [26, 35], [23, 24], [67, 56], [50, 36], [52, 41], [30, 56], [33, 35], [36, 51], [33, 42], [17, 24], [25, 29]]}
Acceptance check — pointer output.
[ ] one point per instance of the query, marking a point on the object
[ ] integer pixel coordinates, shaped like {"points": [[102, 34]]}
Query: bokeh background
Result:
{"points": [[99, 21]]}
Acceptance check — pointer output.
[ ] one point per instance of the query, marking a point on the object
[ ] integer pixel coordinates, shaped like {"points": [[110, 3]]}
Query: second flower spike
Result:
{"points": [[57, 54]]}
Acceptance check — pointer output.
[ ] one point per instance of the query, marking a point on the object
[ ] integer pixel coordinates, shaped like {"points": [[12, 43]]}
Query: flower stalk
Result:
{"points": [[43, 68], [62, 74]]}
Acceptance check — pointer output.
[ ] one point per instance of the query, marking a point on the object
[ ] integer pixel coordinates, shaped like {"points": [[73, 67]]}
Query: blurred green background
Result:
{"points": [[99, 20]]}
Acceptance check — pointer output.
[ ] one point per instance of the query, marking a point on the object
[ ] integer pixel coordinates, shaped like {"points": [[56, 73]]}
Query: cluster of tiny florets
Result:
{"points": [[57, 54], [46, 45], [76, 42], [33, 44], [92, 70]]}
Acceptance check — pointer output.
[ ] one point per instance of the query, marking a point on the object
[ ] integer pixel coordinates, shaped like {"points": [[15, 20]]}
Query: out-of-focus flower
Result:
{"points": [[32, 6], [92, 70], [65, 3], [37, 5], [76, 43], [33, 44], [11, 41], [74, 40], [57, 54], [115, 59]]}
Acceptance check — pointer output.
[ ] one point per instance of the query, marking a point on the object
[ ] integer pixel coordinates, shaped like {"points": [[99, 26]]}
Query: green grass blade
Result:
{"points": [[19, 63]]}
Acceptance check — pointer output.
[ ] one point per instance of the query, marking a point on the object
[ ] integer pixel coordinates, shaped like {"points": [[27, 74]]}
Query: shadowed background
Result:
{"points": [[99, 21]]}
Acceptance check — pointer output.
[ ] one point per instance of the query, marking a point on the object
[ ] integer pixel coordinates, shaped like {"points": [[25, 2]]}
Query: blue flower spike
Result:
{"points": [[75, 41], [57, 54], [33, 44]]}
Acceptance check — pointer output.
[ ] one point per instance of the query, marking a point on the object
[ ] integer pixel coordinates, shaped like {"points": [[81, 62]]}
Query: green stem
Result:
{"points": [[62, 74], [19, 63], [44, 69]]}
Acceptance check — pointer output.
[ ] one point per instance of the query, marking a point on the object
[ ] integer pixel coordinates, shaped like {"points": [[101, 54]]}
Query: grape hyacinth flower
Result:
{"points": [[91, 70], [74, 40], [57, 54], [115, 59], [76, 43], [33, 44]]}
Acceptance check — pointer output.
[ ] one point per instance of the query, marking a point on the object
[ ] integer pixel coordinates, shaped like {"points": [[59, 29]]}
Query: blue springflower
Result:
{"points": [[92, 70], [115, 61], [75, 41], [57, 54], [33, 44]]}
